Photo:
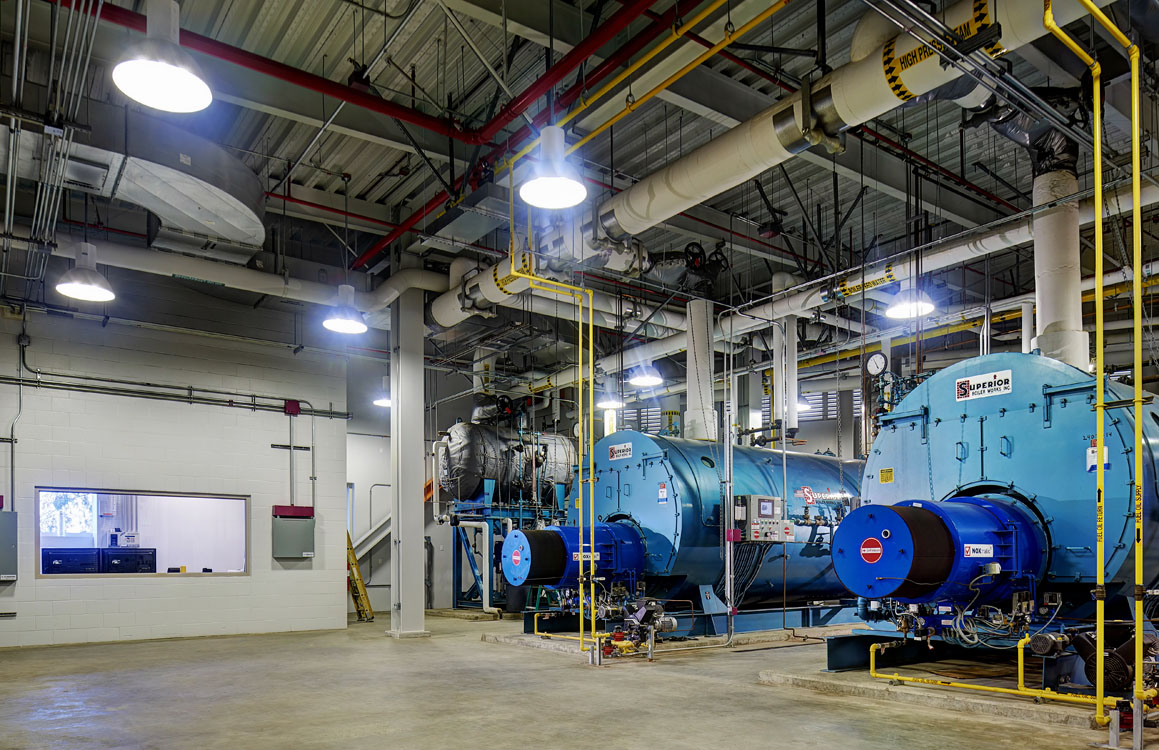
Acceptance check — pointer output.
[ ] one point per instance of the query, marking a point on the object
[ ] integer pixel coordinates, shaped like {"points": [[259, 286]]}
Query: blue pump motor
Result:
{"points": [[550, 557], [945, 552]]}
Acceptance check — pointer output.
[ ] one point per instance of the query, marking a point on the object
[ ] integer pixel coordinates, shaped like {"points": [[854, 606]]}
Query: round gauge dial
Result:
{"points": [[875, 363]]}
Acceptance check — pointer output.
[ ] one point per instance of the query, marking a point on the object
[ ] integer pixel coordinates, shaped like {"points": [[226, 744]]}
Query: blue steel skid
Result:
{"points": [[484, 509], [977, 523], [668, 493]]}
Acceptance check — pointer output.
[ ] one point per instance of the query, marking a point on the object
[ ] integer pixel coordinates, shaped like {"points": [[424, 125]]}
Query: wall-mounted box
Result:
{"points": [[8, 560], [293, 536]]}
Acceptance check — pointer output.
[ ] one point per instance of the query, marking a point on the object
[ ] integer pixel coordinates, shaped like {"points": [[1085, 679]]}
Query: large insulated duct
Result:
{"points": [[1057, 274], [851, 95], [700, 422]]}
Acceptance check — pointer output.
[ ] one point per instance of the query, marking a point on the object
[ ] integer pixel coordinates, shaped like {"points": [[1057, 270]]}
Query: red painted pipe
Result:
{"points": [[619, 21], [514, 108], [136, 21], [620, 57]]}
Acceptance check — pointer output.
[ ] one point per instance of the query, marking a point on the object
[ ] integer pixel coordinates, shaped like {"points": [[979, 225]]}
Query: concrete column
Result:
{"points": [[756, 392], [846, 447], [776, 379], [408, 511], [1057, 274], [700, 420], [1027, 327]]}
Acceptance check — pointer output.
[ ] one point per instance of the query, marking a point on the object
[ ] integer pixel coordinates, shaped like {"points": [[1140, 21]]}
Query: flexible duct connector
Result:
{"points": [[1049, 148]]}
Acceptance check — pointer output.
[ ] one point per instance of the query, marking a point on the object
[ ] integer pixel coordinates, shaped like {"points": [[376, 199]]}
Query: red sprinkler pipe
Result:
{"points": [[620, 57], [619, 21], [514, 108]]}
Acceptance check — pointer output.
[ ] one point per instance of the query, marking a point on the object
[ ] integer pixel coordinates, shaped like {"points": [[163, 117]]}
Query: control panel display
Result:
{"points": [[764, 519]]}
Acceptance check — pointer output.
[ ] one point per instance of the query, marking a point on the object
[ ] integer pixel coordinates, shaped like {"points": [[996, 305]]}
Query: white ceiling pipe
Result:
{"points": [[250, 280], [899, 69]]}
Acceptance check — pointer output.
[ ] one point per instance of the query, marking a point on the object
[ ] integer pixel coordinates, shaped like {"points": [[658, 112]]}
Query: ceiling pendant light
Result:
{"points": [[803, 405], [554, 183], [909, 304], [645, 376], [83, 281], [344, 317], [156, 72], [383, 398]]}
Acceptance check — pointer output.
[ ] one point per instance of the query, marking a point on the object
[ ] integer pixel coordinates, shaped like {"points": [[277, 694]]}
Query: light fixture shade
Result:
{"points": [[383, 398], [156, 72], [645, 376], [83, 281], [909, 304], [554, 183], [344, 317]]}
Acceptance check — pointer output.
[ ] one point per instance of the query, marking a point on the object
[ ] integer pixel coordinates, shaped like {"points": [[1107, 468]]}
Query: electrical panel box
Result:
{"points": [[293, 537], [7, 547], [765, 519]]}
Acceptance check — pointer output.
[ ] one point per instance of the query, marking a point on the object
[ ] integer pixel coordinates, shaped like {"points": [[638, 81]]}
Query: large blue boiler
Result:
{"points": [[669, 494], [977, 522]]}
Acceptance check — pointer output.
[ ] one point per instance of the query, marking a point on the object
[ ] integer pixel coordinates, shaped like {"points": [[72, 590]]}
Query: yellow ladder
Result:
{"points": [[355, 584]]}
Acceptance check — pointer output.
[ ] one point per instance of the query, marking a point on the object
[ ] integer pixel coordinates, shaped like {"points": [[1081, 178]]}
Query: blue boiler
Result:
{"points": [[670, 492]]}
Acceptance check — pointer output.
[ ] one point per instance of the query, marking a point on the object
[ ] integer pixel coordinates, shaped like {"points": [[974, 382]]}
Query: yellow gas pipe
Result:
{"points": [[1020, 690], [1137, 333], [584, 345], [1100, 389]]}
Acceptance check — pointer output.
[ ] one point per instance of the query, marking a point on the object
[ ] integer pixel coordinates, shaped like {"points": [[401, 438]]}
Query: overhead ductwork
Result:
{"points": [[901, 68], [201, 200]]}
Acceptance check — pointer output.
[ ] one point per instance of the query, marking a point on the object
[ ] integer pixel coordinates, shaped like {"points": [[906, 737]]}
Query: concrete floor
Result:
{"points": [[359, 689]]}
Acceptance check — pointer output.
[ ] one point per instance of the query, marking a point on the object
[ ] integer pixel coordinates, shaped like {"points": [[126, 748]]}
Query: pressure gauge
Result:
{"points": [[875, 363]]}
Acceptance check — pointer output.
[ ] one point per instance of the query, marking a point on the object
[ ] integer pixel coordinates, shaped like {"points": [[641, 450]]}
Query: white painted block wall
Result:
{"points": [[111, 442]]}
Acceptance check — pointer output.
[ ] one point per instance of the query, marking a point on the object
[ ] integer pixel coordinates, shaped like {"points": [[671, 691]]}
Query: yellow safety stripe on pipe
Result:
{"points": [[982, 22], [893, 66], [889, 66], [847, 290]]}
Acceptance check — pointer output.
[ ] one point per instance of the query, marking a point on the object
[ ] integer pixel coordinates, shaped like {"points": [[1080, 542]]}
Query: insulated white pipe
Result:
{"points": [[898, 70], [1027, 327], [1057, 275], [247, 279], [700, 421], [791, 396]]}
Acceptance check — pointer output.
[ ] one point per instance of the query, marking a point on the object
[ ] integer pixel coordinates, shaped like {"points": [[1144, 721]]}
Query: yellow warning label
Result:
{"points": [[893, 66], [886, 476]]}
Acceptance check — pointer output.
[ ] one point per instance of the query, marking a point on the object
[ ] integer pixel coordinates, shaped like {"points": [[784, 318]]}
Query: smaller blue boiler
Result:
{"points": [[550, 557], [965, 550]]}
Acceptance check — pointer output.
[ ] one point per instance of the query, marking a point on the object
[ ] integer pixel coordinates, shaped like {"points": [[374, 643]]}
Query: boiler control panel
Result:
{"points": [[763, 519]]}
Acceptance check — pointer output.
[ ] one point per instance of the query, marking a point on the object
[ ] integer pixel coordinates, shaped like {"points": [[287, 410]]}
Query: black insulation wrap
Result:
{"points": [[548, 555], [933, 553]]}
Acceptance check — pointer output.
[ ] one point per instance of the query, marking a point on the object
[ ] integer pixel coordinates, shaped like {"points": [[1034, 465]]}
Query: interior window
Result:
{"points": [[108, 533]]}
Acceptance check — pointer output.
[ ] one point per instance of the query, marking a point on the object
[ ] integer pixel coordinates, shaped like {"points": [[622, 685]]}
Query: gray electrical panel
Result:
{"points": [[293, 537], [7, 547], [765, 519]]}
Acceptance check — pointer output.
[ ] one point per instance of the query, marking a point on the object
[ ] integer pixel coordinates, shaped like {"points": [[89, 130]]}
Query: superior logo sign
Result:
{"points": [[983, 386]]}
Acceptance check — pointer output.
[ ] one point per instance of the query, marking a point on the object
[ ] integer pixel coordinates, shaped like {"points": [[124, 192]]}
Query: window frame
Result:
{"points": [[40, 574]]}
